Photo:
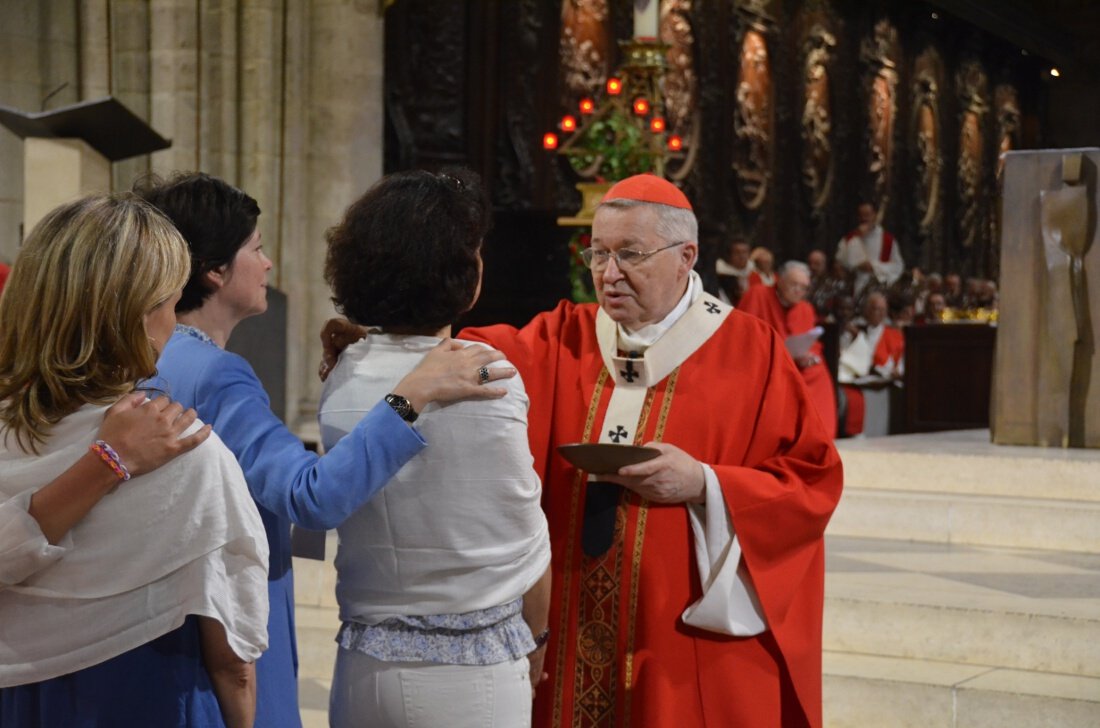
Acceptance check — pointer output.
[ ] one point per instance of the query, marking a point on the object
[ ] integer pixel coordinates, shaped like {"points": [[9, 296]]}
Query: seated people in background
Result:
{"points": [[933, 283], [785, 309], [443, 579], [973, 294], [148, 607], [986, 295], [933, 309], [836, 286], [953, 291], [873, 350], [228, 283], [901, 309], [733, 271], [763, 262], [871, 253]]}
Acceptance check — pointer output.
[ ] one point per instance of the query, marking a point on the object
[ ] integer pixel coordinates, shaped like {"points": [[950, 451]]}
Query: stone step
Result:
{"points": [[1033, 523], [1021, 610], [870, 690], [966, 462]]}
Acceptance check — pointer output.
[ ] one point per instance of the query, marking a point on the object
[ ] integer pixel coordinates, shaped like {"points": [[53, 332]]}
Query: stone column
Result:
{"points": [[129, 47], [344, 152], [261, 115], [219, 97], [173, 51]]}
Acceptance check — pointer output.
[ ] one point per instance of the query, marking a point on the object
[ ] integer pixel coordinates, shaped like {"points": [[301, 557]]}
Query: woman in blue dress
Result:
{"points": [[290, 484]]}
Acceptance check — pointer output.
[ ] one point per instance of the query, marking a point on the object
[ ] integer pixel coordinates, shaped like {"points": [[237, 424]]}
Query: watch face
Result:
{"points": [[401, 406]]}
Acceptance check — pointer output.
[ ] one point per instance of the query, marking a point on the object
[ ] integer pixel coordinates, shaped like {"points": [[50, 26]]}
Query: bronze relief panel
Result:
{"points": [[927, 138], [753, 120], [585, 48], [878, 54], [817, 116], [681, 82], [972, 86]]}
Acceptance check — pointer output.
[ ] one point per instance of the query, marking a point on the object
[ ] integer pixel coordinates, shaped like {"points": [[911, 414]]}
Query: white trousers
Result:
{"points": [[370, 693]]}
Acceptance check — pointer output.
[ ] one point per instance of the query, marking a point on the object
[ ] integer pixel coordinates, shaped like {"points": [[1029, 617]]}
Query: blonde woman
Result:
{"points": [[137, 601]]}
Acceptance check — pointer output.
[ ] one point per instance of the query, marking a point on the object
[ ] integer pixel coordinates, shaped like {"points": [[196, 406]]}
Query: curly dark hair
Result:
{"points": [[214, 217], [406, 253]]}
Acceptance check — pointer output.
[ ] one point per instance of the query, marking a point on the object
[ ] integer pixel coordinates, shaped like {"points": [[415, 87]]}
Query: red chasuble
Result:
{"points": [[619, 653], [764, 303]]}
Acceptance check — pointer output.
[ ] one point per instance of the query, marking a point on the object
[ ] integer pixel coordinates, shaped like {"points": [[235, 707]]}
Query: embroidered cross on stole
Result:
{"points": [[607, 557]]}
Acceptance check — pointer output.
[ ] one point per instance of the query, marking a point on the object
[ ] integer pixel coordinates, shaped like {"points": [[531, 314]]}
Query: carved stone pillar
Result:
{"points": [[344, 148], [130, 73]]}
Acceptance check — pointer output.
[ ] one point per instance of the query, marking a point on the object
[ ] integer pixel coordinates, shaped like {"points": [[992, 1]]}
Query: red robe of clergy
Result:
{"points": [[890, 350], [619, 653], [763, 302]]}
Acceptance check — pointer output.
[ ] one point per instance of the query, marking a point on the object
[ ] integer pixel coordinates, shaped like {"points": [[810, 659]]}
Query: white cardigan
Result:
{"points": [[184, 539], [460, 527]]}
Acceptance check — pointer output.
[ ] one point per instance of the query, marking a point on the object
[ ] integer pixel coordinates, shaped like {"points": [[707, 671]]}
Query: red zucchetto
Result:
{"points": [[648, 188]]}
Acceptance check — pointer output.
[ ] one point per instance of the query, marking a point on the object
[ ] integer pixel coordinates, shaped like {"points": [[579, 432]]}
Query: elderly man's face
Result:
{"points": [[793, 286], [874, 311], [739, 255], [647, 291]]}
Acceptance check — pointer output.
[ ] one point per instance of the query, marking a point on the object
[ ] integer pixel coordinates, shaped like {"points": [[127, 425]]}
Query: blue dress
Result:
{"points": [[162, 683], [289, 483]]}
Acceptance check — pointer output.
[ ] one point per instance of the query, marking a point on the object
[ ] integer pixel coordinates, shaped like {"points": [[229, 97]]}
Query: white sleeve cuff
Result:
{"points": [[729, 604]]}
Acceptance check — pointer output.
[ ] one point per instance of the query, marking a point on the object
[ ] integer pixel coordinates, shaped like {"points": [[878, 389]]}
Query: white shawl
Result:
{"points": [[184, 539]]}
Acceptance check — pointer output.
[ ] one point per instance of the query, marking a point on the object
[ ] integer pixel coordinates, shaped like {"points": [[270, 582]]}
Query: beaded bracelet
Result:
{"points": [[108, 455]]}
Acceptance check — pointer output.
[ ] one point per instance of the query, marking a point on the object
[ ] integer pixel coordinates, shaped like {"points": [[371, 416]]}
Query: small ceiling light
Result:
{"points": [[1055, 72], [935, 16]]}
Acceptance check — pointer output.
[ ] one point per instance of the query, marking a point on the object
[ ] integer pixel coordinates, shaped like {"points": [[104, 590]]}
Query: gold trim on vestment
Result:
{"points": [[639, 536], [573, 534]]}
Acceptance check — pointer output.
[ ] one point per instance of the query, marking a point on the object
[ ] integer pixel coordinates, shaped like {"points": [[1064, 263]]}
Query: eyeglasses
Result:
{"points": [[625, 259]]}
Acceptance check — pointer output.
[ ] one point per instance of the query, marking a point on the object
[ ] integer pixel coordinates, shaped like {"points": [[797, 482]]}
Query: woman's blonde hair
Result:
{"points": [[72, 317]]}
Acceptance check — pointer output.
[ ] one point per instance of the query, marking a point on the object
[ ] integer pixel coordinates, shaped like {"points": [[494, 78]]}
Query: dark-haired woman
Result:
{"points": [[442, 579], [228, 284]]}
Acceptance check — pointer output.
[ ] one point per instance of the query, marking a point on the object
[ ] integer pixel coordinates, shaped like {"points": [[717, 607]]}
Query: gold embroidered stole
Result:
{"points": [[605, 598]]}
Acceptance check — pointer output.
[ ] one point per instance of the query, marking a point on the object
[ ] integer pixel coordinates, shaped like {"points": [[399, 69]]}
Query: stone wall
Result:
{"points": [[280, 97]]}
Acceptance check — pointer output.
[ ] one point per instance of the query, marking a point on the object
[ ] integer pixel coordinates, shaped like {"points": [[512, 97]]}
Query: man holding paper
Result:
{"points": [[786, 310]]}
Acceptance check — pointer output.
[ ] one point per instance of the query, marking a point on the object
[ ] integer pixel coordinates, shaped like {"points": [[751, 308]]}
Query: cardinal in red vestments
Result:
{"points": [[786, 310], [688, 589]]}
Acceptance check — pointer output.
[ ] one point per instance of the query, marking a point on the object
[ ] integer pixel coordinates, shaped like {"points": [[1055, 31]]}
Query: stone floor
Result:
{"points": [[923, 634]]}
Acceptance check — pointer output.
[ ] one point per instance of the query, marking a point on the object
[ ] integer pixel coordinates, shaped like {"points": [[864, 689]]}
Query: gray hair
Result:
{"points": [[674, 224], [793, 265]]}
